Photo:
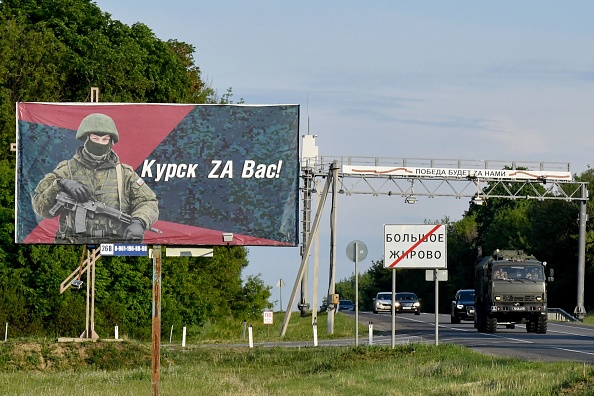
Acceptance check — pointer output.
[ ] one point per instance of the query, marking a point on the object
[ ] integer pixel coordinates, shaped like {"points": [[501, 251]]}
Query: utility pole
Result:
{"points": [[333, 217]]}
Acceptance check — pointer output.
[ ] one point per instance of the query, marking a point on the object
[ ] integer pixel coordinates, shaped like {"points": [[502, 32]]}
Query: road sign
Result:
{"points": [[415, 246], [268, 317], [123, 249], [442, 275], [351, 251]]}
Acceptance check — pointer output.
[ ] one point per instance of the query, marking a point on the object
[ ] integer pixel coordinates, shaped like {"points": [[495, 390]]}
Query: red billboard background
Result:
{"points": [[215, 169]]}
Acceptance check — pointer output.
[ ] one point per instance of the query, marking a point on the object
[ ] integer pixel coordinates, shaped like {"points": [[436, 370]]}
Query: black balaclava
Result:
{"points": [[98, 149]]}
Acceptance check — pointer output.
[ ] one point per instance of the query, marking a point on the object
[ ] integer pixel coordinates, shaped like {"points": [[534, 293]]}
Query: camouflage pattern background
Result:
{"points": [[214, 168]]}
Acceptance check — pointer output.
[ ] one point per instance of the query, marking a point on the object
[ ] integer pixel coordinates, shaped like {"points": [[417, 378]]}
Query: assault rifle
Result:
{"points": [[81, 209]]}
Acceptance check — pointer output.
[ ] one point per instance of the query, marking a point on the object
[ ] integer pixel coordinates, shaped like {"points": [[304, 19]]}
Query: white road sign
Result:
{"points": [[456, 173], [415, 246]]}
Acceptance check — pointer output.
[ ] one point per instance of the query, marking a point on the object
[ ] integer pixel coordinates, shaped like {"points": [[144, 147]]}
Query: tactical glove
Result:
{"points": [[75, 189], [135, 231]]}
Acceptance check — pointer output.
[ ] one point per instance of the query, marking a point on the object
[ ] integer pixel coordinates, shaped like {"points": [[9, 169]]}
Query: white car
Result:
{"points": [[405, 302]]}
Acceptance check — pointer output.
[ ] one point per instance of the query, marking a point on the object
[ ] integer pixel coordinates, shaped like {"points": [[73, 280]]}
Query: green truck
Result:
{"points": [[511, 288]]}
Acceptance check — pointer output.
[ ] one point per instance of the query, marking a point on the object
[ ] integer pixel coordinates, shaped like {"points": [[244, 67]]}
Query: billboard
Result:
{"points": [[171, 174]]}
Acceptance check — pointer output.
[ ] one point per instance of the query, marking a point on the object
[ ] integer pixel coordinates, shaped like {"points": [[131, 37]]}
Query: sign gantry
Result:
{"points": [[479, 180]]}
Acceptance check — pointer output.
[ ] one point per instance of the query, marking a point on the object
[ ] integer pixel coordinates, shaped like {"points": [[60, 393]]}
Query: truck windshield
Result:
{"points": [[518, 272]]}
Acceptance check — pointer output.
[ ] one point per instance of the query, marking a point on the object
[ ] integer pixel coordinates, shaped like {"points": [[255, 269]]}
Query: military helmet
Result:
{"points": [[97, 123]]}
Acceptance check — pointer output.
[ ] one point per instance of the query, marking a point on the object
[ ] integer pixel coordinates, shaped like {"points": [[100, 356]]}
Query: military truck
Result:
{"points": [[511, 288]]}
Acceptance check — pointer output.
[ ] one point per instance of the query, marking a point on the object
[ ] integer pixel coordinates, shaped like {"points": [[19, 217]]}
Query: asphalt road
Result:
{"points": [[563, 340]]}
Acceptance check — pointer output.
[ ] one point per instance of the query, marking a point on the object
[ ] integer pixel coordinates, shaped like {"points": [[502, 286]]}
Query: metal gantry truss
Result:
{"points": [[479, 188], [483, 187]]}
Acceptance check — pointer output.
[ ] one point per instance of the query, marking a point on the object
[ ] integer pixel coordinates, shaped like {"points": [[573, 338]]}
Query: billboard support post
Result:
{"points": [[88, 266], [156, 320]]}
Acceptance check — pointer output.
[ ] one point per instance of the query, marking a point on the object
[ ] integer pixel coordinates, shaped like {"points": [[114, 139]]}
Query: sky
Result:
{"points": [[504, 81]]}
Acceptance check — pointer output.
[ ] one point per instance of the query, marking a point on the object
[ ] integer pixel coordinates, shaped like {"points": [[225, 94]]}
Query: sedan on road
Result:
{"points": [[346, 305], [405, 302]]}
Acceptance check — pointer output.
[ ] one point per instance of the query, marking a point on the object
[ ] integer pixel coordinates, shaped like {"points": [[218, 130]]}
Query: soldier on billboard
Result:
{"points": [[97, 198]]}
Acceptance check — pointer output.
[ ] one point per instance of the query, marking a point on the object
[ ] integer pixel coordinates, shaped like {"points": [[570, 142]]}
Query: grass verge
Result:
{"points": [[414, 369], [45, 367]]}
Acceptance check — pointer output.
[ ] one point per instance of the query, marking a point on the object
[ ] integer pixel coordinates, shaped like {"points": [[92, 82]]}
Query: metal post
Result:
{"points": [[436, 306], [580, 311], [393, 308], [314, 299], [356, 293], [280, 292], [307, 184], [156, 321], [333, 218], [308, 244]]}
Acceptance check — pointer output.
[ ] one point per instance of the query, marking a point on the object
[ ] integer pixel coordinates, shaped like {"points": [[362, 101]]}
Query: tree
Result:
{"points": [[54, 51]]}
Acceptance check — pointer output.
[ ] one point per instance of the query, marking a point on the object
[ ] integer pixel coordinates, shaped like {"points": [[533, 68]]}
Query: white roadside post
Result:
{"points": [[370, 333], [250, 337]]}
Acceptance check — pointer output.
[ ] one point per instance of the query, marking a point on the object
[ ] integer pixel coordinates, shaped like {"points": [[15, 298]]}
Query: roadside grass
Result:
{"points": [[414, 369], [35, 367], [298, 329], [589, 319]]}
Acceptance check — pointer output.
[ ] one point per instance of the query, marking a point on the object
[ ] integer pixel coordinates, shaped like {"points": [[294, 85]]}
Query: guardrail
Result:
{"points": [[560, 315]]}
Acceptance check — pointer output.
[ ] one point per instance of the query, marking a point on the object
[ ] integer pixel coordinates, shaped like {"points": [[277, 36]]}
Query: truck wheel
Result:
{"points": [[531, 326], [491, 325], [541, 324], [510, 326], [454, 319], [481, 322]]}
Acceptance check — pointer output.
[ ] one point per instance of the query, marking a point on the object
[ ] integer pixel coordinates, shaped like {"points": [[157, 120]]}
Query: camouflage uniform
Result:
{"points": [[98, 174]]}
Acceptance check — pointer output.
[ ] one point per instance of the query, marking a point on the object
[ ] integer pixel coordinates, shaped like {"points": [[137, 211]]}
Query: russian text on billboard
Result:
{"points": [[207, 170]]}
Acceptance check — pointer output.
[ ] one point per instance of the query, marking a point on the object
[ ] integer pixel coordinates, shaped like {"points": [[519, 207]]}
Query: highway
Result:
{"points": [[563, 341]]}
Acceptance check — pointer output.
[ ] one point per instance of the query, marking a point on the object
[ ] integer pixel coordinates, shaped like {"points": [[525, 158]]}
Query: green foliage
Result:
{"points": [[547, 229], [55, 51], [254, 296]]}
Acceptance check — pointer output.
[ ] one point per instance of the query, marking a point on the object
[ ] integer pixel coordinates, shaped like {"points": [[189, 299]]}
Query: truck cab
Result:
{"points": [[510, 288]]}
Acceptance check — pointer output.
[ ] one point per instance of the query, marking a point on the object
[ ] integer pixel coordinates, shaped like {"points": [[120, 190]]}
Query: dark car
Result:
{"points": [[463, 306], [405, 302], [346, 305]]}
